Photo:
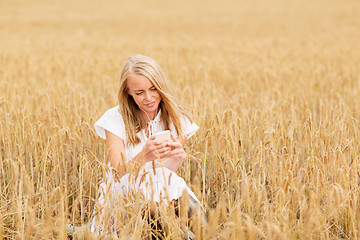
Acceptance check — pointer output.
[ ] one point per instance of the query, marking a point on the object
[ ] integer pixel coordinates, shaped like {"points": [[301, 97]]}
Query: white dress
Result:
{"points": [[155, 184]]}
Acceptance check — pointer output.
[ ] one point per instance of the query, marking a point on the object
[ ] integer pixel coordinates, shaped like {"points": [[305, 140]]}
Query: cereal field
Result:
{"points": [[274, 86]]}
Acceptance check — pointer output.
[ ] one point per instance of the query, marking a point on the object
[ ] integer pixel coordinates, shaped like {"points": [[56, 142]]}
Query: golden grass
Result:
{"points": [[273, 85]]}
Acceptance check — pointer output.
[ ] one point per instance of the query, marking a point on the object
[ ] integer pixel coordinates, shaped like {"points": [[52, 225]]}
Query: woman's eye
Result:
{"points": [[138, 93], [153, 89]]}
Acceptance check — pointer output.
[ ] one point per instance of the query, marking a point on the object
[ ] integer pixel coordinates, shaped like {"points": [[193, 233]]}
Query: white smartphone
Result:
{"points": [[163, 135]]}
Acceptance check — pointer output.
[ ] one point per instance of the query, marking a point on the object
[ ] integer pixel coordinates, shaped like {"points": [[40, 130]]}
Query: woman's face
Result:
{"points": [[144, 93]]}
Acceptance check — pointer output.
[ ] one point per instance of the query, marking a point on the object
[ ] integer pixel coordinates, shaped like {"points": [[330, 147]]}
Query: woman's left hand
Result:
{"points": [[177, 151]]}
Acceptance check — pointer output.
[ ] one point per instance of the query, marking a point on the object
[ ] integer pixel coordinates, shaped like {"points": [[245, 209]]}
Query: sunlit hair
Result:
{"points": [[131, 113]]}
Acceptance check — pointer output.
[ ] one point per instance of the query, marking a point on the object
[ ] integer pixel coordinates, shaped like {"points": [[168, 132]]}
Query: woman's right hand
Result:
{"points": [[155, 149]]}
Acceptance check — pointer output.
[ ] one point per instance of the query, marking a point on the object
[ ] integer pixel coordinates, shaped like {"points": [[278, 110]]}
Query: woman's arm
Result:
{"points": [[116, 148]]}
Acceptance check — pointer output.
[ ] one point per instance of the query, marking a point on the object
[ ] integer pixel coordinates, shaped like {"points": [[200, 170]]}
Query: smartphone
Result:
{"points": [[163, 135]]}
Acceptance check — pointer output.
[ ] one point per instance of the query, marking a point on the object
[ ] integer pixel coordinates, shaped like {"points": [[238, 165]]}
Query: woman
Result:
{"points": [[145, 108]]}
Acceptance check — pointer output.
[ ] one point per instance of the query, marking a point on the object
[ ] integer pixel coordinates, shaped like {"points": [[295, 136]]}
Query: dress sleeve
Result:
{"points": [[189, 128], [112, 122]]}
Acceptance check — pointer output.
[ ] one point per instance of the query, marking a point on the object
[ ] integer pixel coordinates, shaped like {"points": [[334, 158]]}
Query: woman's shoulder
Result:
{"points": [[111, 121], [113, 112]]}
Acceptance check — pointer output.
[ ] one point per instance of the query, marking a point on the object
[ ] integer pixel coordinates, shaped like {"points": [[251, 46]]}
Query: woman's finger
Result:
{"points": [[175, 144], [164, 149], [175, 153], [161, 146], [164, 154], [161, 150]]}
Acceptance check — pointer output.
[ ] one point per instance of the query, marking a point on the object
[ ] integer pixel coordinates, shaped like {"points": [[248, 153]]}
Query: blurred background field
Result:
{"points": [[273, 85]]}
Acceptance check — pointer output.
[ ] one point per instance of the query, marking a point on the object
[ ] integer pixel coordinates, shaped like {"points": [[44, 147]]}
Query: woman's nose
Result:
{"points": [[147, 96]]}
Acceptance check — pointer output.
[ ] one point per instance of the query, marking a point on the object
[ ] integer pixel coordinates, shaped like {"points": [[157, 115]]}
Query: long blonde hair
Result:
{"points": [[131, 113]]}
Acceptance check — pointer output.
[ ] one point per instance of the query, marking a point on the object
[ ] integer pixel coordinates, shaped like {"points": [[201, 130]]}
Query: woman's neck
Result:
{"points": [[149, 116]]}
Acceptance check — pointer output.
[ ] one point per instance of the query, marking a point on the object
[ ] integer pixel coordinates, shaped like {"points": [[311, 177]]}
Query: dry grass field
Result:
{"points": [[274, 86]]}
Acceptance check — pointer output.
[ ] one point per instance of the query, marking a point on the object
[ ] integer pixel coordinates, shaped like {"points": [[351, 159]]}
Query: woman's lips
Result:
{"points": [[150, 104]]}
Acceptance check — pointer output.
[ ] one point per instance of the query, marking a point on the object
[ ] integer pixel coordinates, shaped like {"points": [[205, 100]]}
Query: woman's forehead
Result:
{"points": [[138, 82]]}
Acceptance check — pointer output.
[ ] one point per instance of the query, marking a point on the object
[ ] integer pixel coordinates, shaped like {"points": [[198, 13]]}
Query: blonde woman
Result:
{"points": [[146, 107]]}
